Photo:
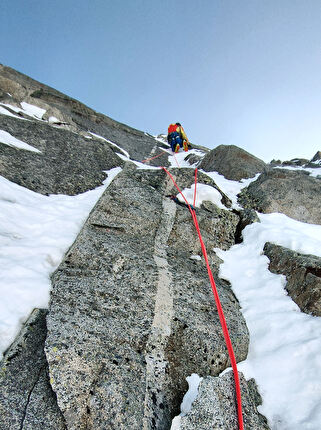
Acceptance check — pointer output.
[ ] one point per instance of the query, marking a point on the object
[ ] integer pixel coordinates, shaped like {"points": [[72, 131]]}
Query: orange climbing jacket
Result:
{"points": [[177, 137]]}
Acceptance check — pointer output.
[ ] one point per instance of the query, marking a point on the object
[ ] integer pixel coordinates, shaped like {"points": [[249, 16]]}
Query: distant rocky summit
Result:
{"points": [[232, 162], [292, 192], [299, 162], [316, 158]]}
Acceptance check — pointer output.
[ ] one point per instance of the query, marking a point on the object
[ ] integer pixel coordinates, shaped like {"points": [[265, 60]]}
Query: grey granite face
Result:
{"points": [[232, 162], [131, 315], [294, 193], [26, 397], [69, 162], [215, 406], [303, 274], [131, 311]]}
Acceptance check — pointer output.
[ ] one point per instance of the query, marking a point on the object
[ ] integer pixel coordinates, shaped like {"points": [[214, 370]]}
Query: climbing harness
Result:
{"points": [[217, 301]]}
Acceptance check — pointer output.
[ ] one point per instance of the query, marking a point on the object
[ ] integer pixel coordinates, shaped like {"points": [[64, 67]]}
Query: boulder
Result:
{"points": [[232, 162], [131, 310], [215, 406], [26, 397], [294, 193], [303, 274]]}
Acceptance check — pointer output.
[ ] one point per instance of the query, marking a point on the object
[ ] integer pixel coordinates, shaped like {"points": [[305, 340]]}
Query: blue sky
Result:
{"points": [[246, 73]]}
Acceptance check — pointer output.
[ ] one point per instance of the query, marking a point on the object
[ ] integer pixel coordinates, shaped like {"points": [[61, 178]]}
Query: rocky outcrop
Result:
{"points": [[295, 162], [316, 157], [299, 162], [303, 274], [232, 162], [68, 163], [26, 397], [215, 406], [131, 314], [294, 193], [72, 159]]}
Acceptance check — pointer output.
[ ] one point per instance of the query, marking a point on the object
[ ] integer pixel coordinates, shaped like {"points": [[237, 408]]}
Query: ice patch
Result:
{"points": [[28, 109], [4, 111], [178, 159]]}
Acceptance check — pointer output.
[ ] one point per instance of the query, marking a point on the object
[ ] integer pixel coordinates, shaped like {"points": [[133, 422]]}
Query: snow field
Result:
{"points": [[285, 344], [35, 232]]}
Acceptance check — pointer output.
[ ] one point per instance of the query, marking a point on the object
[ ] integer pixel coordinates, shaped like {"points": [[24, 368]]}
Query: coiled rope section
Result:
{"points": [[217, 301]]}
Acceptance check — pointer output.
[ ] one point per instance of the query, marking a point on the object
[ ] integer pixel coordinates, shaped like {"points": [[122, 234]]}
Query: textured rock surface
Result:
{"points": [[69, 162], [131, 315], [247, 217], [303, 274], [302, 162], [194, 159], [215, 406], [232, 162], [26, 397], [293, 193], [296, 162]]}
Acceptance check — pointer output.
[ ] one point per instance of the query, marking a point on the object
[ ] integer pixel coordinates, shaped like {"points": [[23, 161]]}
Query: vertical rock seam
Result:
{"points": [[161, 326]]}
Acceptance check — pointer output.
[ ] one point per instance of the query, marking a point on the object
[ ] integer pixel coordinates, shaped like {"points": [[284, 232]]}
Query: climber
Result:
{"points": [[177, 138]]}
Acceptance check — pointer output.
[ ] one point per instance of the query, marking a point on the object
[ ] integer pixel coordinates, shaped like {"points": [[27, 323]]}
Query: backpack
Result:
{"points": [[172, 128]]}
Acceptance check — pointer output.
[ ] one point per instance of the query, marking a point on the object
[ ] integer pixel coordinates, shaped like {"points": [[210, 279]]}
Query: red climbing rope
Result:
{"points": [[195, 188], [175, 159], [152, 158], [218, 303]]}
